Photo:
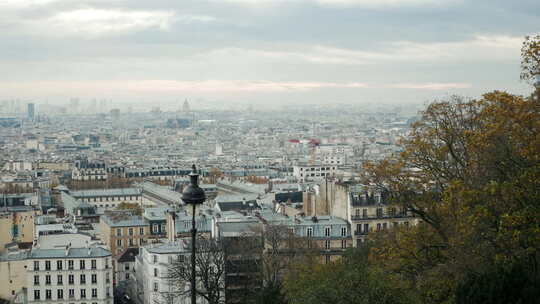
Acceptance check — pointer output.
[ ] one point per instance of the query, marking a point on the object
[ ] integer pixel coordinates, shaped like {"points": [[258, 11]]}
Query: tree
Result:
{"points": [[530, 58], [263, 255], [210, 272], [470, 170], [136, 208], [214, 174], [499, 285], [349, 280]]}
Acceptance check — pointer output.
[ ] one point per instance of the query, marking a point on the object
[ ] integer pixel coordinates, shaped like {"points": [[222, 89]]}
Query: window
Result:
{"points": [[47, 265], [107, 280], [141, 231], [327, 259], [83, 293], [126, 267], [71, 293], [379, 227], [358, 228], [327, 231], [155, 272], [36, 265], [131, 243], [60, 294], [343, 231], [106, 263], [58, 265], [71, 279], [94, 292], [83, 279], [366, 228], [379, 212], [154, 259], [48, 294], [155, 228], [59, 279], [310, 231], [141, 241], [327, 244], [156, 286], [36, 280], [118, 243], [384, 226], [70, 264], [93, 264], [127, 276], [130, 231], [81, 264], [118, 232], [36, 295], [357, 212], [94, 278], [343, 244], [48, 279], [364, 212]]}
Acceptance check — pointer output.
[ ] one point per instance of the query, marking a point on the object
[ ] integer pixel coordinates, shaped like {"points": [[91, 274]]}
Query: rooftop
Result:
{"points": [[106, 192], [92, 252]]}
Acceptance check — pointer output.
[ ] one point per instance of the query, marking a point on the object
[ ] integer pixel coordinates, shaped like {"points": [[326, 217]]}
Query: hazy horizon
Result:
{"points": [[261, 51]]}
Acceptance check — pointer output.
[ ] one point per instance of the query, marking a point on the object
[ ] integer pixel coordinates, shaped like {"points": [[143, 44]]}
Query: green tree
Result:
{"points": [[350, 280], [501, 284]]}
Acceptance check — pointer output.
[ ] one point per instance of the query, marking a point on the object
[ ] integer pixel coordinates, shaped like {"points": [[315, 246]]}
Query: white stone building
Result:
{"points": [[73, 275], [150, 284], [311, 172]]}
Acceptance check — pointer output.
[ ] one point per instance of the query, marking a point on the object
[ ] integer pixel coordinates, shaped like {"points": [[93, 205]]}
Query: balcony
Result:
{"points": [[379, 216], [360, 232]]}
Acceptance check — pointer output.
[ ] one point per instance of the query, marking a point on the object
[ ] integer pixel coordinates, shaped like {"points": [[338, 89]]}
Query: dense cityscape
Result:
{"points": [[269, 152], [68, 182]]}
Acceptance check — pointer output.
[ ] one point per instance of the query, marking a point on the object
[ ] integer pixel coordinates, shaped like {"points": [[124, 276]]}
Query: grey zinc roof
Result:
{"points": [[178, 246], [235, 198], [126, 221], [95, 252], [106, 192], [14, 256]]}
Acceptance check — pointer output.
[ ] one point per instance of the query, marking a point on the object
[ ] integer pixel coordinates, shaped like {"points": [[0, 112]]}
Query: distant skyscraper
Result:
{"points": [[185, 107], [31, 111]]}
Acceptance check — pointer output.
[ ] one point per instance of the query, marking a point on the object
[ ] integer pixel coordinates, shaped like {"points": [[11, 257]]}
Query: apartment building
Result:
{"points": [[313, 172], [373, 212], [151, 283], [109, 198], [74, 275], [120, 231]]}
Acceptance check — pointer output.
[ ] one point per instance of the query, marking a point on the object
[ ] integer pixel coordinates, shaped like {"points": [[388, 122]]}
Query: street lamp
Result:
{"points": [[193, 195]]}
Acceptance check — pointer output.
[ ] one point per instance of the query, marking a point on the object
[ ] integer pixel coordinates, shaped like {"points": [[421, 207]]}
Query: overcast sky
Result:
{"points": [[312, 51]]}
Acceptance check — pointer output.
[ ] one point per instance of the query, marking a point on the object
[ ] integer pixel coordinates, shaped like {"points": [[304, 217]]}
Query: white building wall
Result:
{"points": [[103, 284]]}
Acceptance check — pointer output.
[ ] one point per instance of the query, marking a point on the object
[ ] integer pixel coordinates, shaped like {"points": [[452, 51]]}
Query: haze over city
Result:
{"points": [[269, 152]]}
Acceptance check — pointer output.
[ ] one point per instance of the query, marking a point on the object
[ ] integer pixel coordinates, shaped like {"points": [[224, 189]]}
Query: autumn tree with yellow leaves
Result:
{"points": [[470, 171]]}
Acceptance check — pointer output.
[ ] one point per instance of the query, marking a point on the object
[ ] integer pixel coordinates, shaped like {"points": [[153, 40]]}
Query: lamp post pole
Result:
{"points": [[193, 251], [193, 195]]}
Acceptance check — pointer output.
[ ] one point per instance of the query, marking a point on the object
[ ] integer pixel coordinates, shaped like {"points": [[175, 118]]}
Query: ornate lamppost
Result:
{"points": [[193, 195]]}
